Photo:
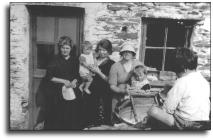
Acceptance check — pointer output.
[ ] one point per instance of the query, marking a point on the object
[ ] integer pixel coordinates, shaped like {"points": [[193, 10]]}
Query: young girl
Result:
{"points": [[87, 60], [138, 78]]}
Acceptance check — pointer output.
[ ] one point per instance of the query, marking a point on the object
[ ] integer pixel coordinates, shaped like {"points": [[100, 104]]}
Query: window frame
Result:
{"points": [[145, 21]]}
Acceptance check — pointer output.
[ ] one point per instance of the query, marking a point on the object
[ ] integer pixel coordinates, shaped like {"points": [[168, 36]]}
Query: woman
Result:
{"points": [[120, 73], [98, 103], [62, 72], [188, 100]]}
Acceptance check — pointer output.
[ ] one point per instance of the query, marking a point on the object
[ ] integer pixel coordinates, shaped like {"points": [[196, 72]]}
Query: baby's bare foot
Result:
{"points": [[87, 91]]}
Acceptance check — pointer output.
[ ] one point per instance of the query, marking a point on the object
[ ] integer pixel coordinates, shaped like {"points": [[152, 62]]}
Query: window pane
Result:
{"points": [[155, 35], [44, 55], [169, 62], [68, 27], [45, 29], [153, 58], [176, 36]]}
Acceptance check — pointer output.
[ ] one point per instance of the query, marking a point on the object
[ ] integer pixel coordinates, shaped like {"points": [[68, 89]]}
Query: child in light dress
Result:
{"points": [[87, 60], [138, 79]]}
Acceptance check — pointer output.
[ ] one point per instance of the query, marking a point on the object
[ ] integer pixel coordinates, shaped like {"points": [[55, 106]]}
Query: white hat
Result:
{"points": [[128, 47]]}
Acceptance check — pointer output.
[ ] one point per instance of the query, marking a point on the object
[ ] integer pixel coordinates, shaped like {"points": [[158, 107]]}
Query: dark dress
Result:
{"points": [[98, 103], [61, 114]]}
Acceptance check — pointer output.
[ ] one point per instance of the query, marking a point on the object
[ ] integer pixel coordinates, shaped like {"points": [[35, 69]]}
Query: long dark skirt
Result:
{"points": [[71, 115], [90, 110], [97, 110], [63, 114]]}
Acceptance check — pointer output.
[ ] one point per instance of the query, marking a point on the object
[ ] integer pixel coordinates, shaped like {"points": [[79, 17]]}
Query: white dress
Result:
{"points": [[89, 60], [139, 84]]}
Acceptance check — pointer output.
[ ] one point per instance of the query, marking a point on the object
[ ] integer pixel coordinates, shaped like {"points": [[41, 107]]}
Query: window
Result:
{"points": [[160, 38]]}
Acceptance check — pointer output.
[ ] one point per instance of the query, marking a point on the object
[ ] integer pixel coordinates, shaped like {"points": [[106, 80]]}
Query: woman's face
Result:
{"points": [[103, 53], [127, 55], [65, 50]]}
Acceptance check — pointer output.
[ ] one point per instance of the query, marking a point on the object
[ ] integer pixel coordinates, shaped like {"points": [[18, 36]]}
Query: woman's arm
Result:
{"points": [[52, 71], [99, 72], [67, 83], [174, 96], [117, 89], [113, 81], [103, 76], [57, 80]]}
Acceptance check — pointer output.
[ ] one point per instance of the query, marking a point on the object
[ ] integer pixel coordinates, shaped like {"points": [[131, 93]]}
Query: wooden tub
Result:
{"points": [[142, 103]]}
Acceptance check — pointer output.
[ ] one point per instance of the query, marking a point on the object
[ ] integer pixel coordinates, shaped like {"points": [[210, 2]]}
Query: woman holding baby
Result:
{"points": [[98, 102], [121, 72]]}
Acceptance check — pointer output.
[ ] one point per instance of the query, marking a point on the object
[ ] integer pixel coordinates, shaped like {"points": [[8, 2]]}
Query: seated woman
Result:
{"points": [[62, 111], [120, 73], [188, 100]]}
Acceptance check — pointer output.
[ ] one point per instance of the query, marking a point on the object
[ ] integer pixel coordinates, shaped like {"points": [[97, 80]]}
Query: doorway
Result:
{"points": [[47, 25]]}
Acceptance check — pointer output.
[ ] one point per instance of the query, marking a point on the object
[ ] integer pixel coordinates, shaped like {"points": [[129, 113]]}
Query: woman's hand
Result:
{"points": [[132, 90], [73, 83], [95, 69], [129, 89], [67, 83]]}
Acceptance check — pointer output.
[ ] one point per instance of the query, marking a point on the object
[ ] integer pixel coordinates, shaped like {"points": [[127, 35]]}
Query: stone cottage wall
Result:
{"points": [[102, 20], [105, 20], [19, 67]]}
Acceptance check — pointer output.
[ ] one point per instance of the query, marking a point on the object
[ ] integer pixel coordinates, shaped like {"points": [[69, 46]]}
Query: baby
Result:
{"points": [[87, 60], [138, 78]]}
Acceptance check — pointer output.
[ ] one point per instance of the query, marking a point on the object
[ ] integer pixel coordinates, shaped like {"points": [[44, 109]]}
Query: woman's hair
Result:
{"points": [[86, 44], [185, 59], [106, 44], [65, 40]]}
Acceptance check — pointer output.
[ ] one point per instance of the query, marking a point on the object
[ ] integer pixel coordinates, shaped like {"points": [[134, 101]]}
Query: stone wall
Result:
{"points": [[19, 67], [106, 20], [102, 20], [201, 44]]}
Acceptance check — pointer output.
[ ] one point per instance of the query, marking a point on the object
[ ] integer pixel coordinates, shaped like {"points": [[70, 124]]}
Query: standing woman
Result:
{"points": [[120, 73], [99, 102], [62, 114]]}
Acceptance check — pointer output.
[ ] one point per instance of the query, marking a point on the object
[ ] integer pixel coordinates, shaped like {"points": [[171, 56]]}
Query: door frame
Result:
{"points": [[45, 10]]}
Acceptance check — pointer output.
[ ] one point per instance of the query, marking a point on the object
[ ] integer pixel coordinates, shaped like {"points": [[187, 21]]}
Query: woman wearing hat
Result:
{"points": [[120, 73]]}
